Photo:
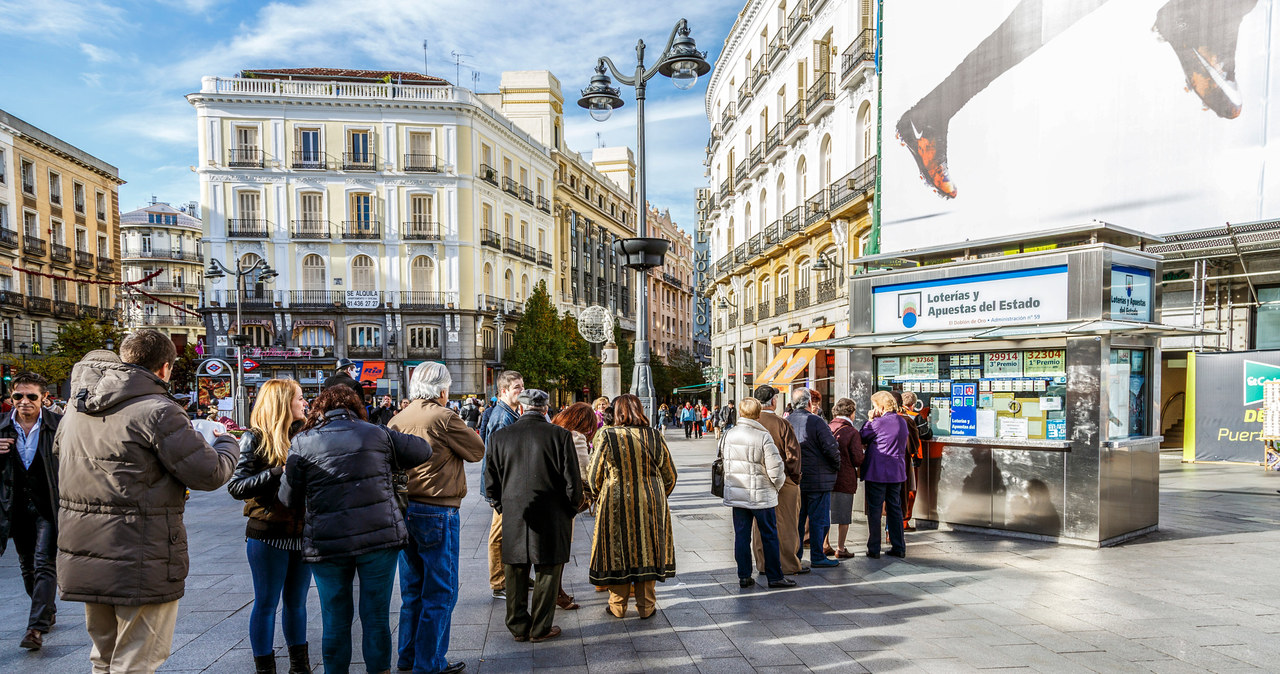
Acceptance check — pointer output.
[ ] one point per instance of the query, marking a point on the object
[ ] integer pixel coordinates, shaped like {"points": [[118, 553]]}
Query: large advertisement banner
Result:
{"points": [[1009, 116], [1224, 406]]}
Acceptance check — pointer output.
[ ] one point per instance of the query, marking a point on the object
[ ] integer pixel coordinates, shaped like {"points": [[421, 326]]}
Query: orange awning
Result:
{"points": [[781, 359], [800, 361]]}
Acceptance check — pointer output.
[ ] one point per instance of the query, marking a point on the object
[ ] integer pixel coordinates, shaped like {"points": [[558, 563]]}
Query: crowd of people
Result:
{"points": [[341, 495]]}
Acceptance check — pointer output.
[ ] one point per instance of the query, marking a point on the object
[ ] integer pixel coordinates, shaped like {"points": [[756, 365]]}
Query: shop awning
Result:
{"points": [[800, 362], [264, 323], [325, 323], [1012, 332], [782, 358]]}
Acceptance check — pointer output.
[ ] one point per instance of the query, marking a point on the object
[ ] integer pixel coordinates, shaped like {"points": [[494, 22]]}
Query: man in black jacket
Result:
{"points": [[532, 479], [346, 376], [819, 466], [29, 498]]}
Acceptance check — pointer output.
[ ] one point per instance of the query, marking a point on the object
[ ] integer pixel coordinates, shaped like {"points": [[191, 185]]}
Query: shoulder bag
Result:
{"points": [[717, 469], [399, 477]]}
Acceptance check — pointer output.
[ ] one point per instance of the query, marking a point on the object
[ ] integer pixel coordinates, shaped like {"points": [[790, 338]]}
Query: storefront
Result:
{"points": [[1036, 369]]}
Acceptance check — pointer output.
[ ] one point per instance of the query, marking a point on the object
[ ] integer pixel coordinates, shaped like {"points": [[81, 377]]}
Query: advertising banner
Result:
{"points": [[982, 300], [363, 299], [1224, 404], [372, 370], [213, 389], [1005, 116], [1130, 294]]}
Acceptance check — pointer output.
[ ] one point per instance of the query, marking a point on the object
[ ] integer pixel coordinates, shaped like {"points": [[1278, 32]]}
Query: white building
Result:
{"points": [[164, 239]]}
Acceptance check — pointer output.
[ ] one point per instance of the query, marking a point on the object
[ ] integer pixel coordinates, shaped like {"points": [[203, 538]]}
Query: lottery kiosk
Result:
{"points": [[1036, 372]]}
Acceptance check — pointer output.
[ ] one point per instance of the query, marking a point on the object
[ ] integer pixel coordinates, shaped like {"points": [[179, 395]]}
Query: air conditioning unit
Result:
{"points": [[228, 352], [317, 352]]}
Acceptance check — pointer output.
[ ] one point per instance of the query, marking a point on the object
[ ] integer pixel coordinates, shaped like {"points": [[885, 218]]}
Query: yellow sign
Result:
{"points": [[1044, 363]]}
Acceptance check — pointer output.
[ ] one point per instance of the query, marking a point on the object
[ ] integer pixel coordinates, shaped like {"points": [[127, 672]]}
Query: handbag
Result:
{"points": [[399, 477], [717, 469]]}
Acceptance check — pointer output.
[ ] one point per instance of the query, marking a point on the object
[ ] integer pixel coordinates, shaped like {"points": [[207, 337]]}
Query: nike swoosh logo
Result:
{"points": [[1228, 88], [915, 132]]}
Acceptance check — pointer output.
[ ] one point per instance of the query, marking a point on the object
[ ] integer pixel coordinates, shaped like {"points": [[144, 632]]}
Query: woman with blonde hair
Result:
{"points": [[274, 531], [885, 437]]}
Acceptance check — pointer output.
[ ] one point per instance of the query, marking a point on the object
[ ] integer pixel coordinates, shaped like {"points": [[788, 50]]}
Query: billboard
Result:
{"points": [[1224, 404], [1008, 116]]}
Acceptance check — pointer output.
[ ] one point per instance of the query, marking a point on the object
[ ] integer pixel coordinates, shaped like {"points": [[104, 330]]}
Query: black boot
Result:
{"points": [[299, 661], [264, 664]]}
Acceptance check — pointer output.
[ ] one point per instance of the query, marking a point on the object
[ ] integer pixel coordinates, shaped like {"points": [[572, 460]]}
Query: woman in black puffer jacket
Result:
{"points": [[340, 468]]}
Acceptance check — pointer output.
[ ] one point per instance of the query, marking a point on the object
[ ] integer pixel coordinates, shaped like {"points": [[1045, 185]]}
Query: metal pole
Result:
{"points": [[241, 394], [642, 377]]}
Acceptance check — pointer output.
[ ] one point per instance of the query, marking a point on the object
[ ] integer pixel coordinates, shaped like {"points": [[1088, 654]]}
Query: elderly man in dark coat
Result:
{"points": [[533, 480]]}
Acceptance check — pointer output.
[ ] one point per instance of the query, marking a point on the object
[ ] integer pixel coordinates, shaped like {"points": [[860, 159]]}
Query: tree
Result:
{"points": [[74, 340], [538, 349], [581, 367], [684, 369], [183, 378]]}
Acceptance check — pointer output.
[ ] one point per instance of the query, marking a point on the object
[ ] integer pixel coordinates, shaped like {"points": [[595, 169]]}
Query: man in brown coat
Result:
{"points": [[127, 455], [789, 496]]}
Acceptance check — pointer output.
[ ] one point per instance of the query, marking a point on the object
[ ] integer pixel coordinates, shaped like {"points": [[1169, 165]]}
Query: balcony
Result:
{"points": [[748, 315], [40, 305], [828, 290], [308, 160], [311, 229], [32, 246], [489, 353], [726, 190], [777, 48], [245, 157], [489, 303], [251, 299], [359, 161], [544, 205], [528, 252], [421, 163], [8, 238], [425, 352], [106, 265], [772, 234], [858, 59], [490, 238], [87, 311], [510, 246], [488, 174], [164, 254], [173, 288], [815, 6], [757, 166], [316, 299], [64, 309], [781, 305], [242, 228], [11, 299], [856, 183], [526, 195], [798, 20], [821, 96], [364, 351], [793, 125], [729, 116], [361, 230], [773, 143], [723, 266], [744, 92], [792, 222], [802, 298], [427, 299], [755, 245], [741, 176], [107, 315], [510, 187], [733, 320], [740, 254], [84, 259], [815, 208], [174, 320], [59, 253], [759, 75], [420, 229], [762, 310]]}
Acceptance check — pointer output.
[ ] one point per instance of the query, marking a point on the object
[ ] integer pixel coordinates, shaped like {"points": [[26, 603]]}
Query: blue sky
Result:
{"points": [[110, 76]]}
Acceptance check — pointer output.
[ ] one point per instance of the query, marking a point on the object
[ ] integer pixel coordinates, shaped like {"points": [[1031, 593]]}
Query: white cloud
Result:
{"points": [[98, 54], [56, 20]]}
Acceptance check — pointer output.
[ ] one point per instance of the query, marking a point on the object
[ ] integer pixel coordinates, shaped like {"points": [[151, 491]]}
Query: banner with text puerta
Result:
{"points": [[1224, 409]]}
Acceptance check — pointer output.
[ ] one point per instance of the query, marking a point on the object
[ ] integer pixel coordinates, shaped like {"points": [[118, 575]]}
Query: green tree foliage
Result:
{"points": [[74, 340], [684, 369], [626, 357], [581, 367], [538, 348], [183, 378]]}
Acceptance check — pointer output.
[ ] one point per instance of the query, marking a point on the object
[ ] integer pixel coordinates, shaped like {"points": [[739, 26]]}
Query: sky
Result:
{"points": [[110, 76]]}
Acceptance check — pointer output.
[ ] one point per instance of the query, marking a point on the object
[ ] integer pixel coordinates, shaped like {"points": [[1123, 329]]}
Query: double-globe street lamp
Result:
{"points": [[265, 273], [683, 63]]}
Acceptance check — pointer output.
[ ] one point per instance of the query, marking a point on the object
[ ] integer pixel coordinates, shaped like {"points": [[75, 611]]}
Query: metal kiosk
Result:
{"points": [[1035, 360]]}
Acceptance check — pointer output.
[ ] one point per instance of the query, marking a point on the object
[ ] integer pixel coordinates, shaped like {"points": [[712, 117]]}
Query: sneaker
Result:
{"points": [[499, 594], [824, 563]]}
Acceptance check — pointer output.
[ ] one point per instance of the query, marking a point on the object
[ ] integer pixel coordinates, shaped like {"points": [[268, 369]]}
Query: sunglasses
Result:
{"points": [[29, 396]]}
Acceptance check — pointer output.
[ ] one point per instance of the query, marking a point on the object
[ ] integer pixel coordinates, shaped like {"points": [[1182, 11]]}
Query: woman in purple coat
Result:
{"points": [[885, 437]]}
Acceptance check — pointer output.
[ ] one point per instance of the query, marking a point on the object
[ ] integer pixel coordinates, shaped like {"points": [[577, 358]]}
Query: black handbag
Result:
{"points": [[399, 478], [717, 470]]}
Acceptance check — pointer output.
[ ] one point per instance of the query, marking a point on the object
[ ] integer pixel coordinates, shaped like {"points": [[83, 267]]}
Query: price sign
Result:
{"points": [[1002, 364], [919, 367], [1047, 363]]}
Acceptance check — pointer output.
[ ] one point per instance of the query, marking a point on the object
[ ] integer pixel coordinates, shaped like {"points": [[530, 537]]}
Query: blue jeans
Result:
{"points": [[334, 579], [885, 496], [768, 523], [815, 507], [277, 573], [428, 587]]}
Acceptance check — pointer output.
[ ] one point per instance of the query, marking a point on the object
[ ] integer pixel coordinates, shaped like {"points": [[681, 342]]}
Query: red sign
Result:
{"points": [[249, 365], [372, 370]]}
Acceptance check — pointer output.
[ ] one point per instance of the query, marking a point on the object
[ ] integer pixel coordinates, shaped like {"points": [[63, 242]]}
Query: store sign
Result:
{"points": [[1002, 364], [363, 299], [919, 367], [1044, 363], [1224, 409], [964, 410], [889, 368], [372, 370], [1131, 294], [984, 300]]}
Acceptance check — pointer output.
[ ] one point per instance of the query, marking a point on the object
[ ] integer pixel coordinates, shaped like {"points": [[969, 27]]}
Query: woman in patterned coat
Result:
{"points": [[630, 477]]}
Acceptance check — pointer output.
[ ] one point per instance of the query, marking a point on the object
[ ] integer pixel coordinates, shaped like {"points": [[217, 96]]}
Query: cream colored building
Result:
{"points": [[671, 289], [405, 217], [164, 239]]}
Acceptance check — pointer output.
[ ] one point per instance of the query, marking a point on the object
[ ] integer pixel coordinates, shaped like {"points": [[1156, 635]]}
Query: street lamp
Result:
{"points": [[683, 63], [724, 305], [216, 271]]}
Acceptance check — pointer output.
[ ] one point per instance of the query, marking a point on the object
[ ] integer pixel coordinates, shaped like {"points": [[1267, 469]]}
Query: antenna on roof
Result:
{"points": [[424, 58], [475, 80], [599, 141], [457, 66]]}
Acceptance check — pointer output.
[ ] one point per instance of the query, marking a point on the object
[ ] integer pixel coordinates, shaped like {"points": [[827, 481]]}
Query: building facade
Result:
{"points": [[401, 214], [702, 280], [162, 243], [792, 164], [59, 221], [670, 289]]}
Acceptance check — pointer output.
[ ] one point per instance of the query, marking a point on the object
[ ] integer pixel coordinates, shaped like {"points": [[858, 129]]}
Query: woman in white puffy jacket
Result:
{"points": [[753, 474]]}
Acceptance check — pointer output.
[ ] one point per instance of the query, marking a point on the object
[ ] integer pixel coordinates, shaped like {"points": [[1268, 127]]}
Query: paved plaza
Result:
{"points": [[1201, 594]]}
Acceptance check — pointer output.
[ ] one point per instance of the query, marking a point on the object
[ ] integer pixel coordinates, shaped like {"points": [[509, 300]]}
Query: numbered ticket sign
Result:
{"points": [[920, 367], [1002, 364], [1045, 363]]}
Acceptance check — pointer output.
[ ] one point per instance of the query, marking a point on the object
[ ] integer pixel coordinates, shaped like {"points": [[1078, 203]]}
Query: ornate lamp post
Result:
{"points": [[215, 271], [683, 63]]}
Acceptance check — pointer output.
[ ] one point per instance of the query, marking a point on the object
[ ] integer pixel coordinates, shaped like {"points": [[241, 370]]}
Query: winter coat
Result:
{"points": [[784, 436], [341, 472], [753, 471], [257, 483], [728, 416], [851, 455], [442, 481], [532, 479], [344, 379], [382, 415], [819, 452], [886, 439], [630, 477], [471, 415], [46, 463], [127, 455], [688, 414]]}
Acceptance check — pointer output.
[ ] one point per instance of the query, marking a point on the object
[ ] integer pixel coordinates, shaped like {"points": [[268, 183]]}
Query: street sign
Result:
{"points": [[214, 367], [250, 365]]}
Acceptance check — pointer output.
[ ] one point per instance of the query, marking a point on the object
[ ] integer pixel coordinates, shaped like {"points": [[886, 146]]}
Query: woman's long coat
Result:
{"points": [[631, 475]]}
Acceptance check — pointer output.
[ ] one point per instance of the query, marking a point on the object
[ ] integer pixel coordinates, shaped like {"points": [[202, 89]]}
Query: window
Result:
{"points": [[422, 274], [104, 298], [258, 335], [542, 187], [524, 177], [4, 167], [314, 337], [524, 287], [488, 279], [358, 146], [246, 138], [506, 168], [362, 274], [82, 294], [55, 188], [82, 240], [421, 210], [508, 285], [362, 209], [28, 174], [77, 196], [4, 215], [253, 285], [508, 223], [246, 151], [1127, 393], [310, 154], [313, 276], [1267, 324], [487, 338], [311, 207], [365, 336], [104, 249], [424, 337], [486, 216], [145, 243], [59, 290], [422, 152], [100, 201], [59, 232], [249, 205], [486, 155]]}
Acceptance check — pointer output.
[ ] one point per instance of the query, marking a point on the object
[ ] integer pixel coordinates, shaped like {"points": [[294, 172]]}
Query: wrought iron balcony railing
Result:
{"points": [[245, 157], [309, 160], [420, 229], [420, 163], [311, 229], [359, 161]]}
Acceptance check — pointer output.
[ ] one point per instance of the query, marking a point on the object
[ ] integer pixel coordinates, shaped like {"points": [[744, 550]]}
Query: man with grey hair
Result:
{"points": [[819, 465], [788, 509], [532, 478], [429, 561]]}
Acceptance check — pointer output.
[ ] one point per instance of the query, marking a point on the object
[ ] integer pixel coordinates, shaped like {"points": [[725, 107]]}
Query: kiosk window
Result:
{"points": [[1127, 393], [1267, 330]]}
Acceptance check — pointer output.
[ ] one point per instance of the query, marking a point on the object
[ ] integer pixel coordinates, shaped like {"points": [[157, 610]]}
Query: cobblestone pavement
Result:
{"points": [[1201, 594]]}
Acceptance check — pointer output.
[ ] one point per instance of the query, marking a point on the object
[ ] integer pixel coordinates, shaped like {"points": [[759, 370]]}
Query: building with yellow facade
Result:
{"points": [[162, 243]]}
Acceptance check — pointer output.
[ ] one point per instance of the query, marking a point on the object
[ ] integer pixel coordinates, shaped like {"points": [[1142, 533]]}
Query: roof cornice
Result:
{"points": [[731, 44]]}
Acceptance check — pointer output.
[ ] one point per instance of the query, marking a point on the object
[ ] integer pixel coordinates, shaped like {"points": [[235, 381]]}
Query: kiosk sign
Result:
{"points": [[1130, 294], [984, 300]]}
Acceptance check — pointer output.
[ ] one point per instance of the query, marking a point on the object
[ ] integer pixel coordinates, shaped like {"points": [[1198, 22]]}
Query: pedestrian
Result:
{"points": [[788, 509], [505, 412], [404, 403], [580, 420], [383, 413], [703, 414], [688, 418], [851, 457], [29, 499], [599, 405], [532, 478], [630, 477], [340, 470], [345, 373], [820, 463], [122, 545], [713, 420], [429, 561], [484, 416], [53, 405], [728, 417], [471, 414], [273, 534], [885, 437], [917, 416], [753, 474], [661, 417]]}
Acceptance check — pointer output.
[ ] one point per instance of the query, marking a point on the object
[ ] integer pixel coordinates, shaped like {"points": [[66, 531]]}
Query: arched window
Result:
{"points": [[781, 195], [362, 276], [313, 276], [784, 283], [746, 222], [802, 181], [804, 274], [488, 278], [422, 274], [766, 290], [507, 286], [830, 273], [824, 162]]}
